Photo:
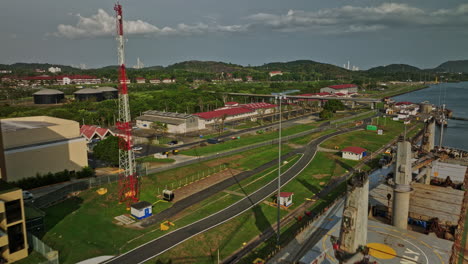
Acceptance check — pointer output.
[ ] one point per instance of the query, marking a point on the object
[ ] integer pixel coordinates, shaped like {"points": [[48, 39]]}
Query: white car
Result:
{"points": [[27, 195], [137, 148]]}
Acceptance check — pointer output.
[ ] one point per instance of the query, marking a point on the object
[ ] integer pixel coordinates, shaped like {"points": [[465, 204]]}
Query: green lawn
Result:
{"points": [[367, 139], [246, 140]]}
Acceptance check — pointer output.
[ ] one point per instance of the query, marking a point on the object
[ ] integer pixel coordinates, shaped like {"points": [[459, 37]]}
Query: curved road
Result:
{"points": [[159, 245]]}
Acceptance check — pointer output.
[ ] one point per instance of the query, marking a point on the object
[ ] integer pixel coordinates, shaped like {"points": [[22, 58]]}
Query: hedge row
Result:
{"points": [[52, 178]]}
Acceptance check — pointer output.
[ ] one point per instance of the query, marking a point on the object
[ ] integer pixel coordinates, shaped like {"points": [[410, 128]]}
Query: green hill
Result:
{"points": [[393, 68], [304, 66], [453, 66], [204, 66]]}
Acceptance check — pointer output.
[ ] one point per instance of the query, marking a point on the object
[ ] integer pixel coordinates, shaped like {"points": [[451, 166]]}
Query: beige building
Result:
{"points": [[41, 144], [13, 240], [176, 123]]}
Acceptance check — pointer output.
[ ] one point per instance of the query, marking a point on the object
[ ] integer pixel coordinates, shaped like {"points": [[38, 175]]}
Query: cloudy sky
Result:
{"points": [[368, 33]]}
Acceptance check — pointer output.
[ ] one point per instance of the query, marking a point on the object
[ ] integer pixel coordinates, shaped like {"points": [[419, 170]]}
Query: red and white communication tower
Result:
{"points": [[129, 180]]}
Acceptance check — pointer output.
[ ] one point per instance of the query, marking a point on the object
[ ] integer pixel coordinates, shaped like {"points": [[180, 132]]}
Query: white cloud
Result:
{"points": [[345, 19], [361, 19], [103, 24]]}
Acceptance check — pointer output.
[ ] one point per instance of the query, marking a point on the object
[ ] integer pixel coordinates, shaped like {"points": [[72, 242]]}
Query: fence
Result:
{"points": [[49, 253], [199, 175], [84, 184]]}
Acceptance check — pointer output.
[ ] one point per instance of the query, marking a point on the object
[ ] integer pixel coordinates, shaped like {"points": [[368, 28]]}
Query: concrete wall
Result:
{"points": [[53, 157]]}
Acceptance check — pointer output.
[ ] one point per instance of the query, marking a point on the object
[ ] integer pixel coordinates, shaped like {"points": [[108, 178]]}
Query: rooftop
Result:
{"points": [[356, 150], [88, 91], [166, 114], [342, 86], [220, 113], [48, 92]]}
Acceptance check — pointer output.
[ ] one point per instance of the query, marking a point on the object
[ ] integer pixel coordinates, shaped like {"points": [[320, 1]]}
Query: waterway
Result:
{"points": [[455, 97]]}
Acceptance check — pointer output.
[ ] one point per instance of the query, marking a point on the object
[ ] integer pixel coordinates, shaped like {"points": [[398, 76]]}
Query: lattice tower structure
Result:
{"points": [[129, 185]]}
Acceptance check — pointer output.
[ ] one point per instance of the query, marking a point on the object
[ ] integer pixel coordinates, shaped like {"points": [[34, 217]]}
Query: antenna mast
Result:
{"points": [[129, 182]]}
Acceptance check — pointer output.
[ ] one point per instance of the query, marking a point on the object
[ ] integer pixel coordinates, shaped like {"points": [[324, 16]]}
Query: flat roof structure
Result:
{"points": [[426, 202]]}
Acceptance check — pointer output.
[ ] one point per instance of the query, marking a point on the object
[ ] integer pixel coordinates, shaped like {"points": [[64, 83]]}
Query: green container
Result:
{"points": [[371, 128]]}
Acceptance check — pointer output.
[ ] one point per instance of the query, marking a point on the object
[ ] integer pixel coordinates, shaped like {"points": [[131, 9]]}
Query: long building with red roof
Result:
{"points": [[341, 88]]}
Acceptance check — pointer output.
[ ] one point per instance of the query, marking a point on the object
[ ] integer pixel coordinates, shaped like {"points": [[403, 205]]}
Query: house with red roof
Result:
{"points": [[285, 198], [249, 78], [94, 133], [274, 73], [353, 153], [229, 114], [155, 81], [140, 80], [341, 88]]}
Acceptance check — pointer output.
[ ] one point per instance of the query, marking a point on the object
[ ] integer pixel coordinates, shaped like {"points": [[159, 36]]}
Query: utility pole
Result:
{"points": [[280, 97]]}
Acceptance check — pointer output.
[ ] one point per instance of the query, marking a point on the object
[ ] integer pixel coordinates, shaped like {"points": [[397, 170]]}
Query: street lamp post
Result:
{"points": [[280, 97]]}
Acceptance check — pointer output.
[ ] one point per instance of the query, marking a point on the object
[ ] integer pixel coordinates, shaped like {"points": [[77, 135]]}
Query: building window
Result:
{"points": [[13, 211], [16, 238]]}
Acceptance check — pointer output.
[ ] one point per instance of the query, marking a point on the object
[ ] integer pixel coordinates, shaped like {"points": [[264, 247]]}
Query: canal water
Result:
{"points": [[455, 98]]}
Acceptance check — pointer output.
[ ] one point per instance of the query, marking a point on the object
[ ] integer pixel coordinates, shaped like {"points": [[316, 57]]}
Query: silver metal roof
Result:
{"points": [[107, 89], [48, 92], [88, 91]]}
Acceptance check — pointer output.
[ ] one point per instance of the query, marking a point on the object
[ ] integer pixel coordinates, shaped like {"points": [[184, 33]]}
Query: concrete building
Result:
{"points": [[54, 69], [237, 113], [342, 88], [176, 123], [353, 153], [45, 144], [108, 92], [48, 96], [89, 94], [13, 240]]}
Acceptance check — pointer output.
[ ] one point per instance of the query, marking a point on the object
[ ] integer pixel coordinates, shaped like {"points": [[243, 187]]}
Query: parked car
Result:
{"points": [[214, 140], [173, 142], [27, 195], [137, 148]]}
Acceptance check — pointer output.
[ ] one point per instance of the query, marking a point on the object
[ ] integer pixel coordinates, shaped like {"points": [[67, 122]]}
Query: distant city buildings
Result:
{"points": [[54, 69]]}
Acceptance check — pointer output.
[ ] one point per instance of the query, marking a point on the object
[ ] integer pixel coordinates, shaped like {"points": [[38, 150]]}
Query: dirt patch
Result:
{"points": [[295, 146], [320, 176], [202, 184], [219, 161]]}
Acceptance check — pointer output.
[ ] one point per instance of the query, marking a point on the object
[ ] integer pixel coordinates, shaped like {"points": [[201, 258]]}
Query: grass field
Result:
{"points": [[369, 140], [246, 140]]}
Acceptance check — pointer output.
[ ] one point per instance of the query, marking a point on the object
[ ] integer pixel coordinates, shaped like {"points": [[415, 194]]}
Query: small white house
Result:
{"points": [[353, 153], [141, 210], [285, 198]]}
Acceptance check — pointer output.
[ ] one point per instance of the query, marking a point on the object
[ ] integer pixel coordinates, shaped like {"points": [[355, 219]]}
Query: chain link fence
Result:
{"points": [[49, 253]]}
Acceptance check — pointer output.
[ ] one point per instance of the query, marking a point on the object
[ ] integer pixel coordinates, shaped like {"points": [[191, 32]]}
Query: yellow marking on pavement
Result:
{"points": [[381, 251], [326, 249]]}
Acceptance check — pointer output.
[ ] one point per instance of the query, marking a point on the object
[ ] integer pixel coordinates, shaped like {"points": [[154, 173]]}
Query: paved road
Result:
{"points": [[158, 246]]}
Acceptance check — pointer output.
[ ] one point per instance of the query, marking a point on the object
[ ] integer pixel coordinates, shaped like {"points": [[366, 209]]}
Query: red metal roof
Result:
{"points": [[340, 94], [259, 105], [89, 131], [285, 194], [404, 103], [275, 72], [220, 113], [342, 86], [140, 78], [231, 103], [355, 150]]}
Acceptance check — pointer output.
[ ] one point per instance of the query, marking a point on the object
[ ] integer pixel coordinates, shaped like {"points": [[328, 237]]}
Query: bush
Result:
{"points": [[52, 178]]}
